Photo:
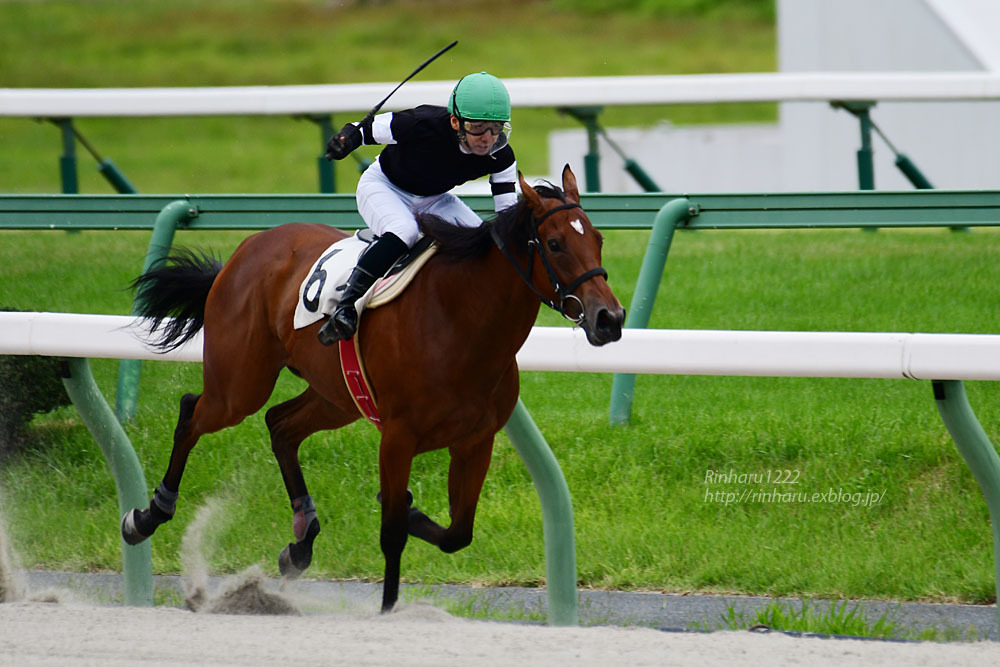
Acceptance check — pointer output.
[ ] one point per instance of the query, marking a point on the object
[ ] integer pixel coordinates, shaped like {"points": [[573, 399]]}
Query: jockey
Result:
{"points": [[429, 150]]}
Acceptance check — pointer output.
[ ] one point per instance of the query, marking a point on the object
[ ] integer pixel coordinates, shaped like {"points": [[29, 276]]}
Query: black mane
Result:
{"points": [[513, 225]]}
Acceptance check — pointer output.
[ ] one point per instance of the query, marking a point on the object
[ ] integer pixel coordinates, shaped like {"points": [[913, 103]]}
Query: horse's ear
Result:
{"points": [[534, 199], [569, 184]]}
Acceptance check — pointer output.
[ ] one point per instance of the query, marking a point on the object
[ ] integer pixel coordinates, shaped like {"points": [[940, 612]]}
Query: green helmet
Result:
{"points": [[480, 97]]}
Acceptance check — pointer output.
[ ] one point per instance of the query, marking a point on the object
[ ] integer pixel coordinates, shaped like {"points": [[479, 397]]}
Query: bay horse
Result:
{"points": [[440, 357]]}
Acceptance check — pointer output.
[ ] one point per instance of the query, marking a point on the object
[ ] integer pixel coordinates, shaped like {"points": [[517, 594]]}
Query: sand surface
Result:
{"points": [[45, 633], [243, 623]]}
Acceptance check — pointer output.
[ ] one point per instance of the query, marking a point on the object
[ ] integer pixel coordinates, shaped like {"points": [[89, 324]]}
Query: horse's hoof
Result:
{"points": [[295, 558], [130, 533], [285, 565]]}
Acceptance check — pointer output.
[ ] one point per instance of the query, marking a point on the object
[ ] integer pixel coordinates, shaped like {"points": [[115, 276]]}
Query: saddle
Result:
{"points": [[402, 272], [319, 293]]}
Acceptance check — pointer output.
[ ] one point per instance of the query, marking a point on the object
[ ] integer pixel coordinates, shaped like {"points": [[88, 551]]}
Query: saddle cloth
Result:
{"points": [[319, 293]]}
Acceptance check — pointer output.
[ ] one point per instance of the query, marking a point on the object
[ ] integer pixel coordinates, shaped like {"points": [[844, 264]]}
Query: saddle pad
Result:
{"points": [[319, 293], [393, 285]]}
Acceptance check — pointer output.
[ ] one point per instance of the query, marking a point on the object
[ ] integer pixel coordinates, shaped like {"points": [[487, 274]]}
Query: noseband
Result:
{"points": [[564, 293]]}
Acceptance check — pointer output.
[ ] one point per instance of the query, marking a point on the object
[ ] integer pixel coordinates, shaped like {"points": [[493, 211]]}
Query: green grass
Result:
{"points": [[837, 618], [646, 517], [109, 43]]}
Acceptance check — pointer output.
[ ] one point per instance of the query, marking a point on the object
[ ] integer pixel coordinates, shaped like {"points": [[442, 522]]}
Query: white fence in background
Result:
{"points": [[524, 92]]}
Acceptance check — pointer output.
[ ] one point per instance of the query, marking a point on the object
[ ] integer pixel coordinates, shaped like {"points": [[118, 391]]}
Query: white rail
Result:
{"points": [[653, 351], [525, 92]]}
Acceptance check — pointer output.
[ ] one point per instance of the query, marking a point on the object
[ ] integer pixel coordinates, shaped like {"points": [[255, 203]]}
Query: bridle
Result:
{"points": [[564, 293]]}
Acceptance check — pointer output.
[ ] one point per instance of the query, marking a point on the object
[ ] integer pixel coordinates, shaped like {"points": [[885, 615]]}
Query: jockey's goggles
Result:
{"points": [[480, 127]]}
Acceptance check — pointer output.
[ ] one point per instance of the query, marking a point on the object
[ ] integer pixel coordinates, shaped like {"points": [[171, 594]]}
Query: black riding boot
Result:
{"points": [[372, 265]]}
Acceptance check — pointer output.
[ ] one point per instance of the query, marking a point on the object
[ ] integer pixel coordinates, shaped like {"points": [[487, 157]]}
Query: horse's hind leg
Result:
{"points": [[465, 482], [233, 390], [290, 423], [137, 525], [466, 475]]}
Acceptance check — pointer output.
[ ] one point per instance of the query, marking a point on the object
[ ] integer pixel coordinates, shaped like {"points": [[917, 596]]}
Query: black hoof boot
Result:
{"points": [[138, 525], [131, 532], [295, 558]]}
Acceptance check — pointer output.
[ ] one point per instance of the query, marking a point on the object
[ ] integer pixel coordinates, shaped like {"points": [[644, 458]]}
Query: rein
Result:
{"points": [[564, 293]]}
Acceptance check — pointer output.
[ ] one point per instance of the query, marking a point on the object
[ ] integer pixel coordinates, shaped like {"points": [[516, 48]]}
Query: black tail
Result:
{"points": [[176, 287]]}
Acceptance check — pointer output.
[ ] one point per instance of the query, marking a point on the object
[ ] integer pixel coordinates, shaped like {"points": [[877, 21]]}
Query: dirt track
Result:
{"points": [[39, 633], [269, 629]]}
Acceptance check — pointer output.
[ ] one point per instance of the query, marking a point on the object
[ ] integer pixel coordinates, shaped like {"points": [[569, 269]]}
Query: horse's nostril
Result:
{"points": [[607, 321]]}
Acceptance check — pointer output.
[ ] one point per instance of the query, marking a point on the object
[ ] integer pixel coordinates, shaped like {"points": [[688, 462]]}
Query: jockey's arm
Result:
{"points": [[365, 133], [502, 184]]}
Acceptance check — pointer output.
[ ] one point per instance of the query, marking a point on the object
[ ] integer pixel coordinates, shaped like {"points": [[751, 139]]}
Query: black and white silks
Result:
{"points": [[423, 156]]}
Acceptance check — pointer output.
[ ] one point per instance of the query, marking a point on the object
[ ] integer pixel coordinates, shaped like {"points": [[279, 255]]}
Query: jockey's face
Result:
{"points": [[477, 144]]}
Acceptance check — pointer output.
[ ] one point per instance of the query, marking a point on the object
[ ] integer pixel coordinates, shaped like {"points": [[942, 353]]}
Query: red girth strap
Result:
{"points": [[357, 383]]}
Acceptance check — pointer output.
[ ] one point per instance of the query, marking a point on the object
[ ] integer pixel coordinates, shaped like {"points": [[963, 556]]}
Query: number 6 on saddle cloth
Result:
{"points": [[320, 292]]}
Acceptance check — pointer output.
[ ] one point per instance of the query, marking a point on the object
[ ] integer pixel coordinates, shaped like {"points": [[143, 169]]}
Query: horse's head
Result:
{"points": [[567, 266]]}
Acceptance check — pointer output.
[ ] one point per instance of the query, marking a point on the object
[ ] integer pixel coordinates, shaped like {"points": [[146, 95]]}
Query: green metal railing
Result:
{"points": [[557, 514], [830, 210], [165, 215], [978, 452], [137, 561]]}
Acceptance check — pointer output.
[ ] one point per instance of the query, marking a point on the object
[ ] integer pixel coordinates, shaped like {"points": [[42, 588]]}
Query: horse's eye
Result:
{"points": [[554, 245]]}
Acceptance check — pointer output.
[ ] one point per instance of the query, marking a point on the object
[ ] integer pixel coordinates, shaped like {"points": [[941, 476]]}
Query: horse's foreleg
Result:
{"points": [[289, 424], [394, 474], [138, 525]]}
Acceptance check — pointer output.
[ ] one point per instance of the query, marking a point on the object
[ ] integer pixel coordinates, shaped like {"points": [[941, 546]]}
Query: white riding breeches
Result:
{"points": [[387, 208]]}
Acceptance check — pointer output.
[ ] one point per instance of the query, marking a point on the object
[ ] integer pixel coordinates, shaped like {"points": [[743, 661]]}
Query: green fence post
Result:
{"points": [[557, 515], [327, 175], [672, 213], [67, 161], [137, 561], [591, 161], [866, 161], [978, 452], [866, 165], [170, 217]]}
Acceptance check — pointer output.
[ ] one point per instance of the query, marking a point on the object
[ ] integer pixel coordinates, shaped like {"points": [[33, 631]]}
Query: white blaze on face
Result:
{"points": [[577, 225]]}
